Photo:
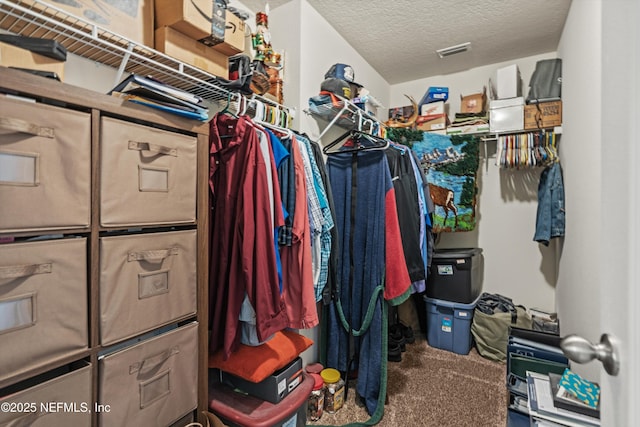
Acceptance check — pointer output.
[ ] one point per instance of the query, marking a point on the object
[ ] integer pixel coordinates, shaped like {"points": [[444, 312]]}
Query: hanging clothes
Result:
{"points": [[550, 217], [298, 289], [243, 258], [314, 209], [427, 243], [332, 262], [272, 152], [287, 180], [406, 191], [371, 268], [322, 240]]}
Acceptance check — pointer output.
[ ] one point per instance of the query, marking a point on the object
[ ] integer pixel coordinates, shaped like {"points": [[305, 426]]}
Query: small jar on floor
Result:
{"points": [[315, 405], [334, 390]]}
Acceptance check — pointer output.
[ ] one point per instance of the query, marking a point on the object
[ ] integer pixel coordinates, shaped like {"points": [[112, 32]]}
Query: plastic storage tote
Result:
{"points": [[449, 325], [456, 275]]}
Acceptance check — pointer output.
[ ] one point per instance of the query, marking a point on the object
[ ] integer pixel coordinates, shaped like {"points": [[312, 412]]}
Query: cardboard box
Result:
{"points": [[468, 129], [233, 36], [274, 388], [13, 56], [194, 19], [474, 103], [432, 108], [130, 19], [434, 94], [401, 113], [543, 115], [435, 122], [191, 51], [506, 115], [508, 82]]}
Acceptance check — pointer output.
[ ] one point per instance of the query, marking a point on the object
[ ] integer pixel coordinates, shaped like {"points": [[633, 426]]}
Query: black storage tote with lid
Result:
{"points": [[456, 275]]}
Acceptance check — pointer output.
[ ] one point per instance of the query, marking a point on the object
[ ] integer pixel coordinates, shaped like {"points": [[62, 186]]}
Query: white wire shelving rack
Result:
{"points": [[36, 18], [342, 113]]}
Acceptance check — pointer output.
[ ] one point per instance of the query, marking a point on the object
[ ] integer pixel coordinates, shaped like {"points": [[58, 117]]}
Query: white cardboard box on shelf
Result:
{"points": [[506, 115], [508, 82]]}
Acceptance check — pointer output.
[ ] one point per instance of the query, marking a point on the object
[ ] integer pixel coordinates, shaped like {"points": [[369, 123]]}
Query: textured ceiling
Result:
{"points": [[399, 38]]}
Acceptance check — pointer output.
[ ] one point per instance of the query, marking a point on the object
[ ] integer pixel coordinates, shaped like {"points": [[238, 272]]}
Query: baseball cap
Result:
{"points": [[342, 72], [337, 86]]}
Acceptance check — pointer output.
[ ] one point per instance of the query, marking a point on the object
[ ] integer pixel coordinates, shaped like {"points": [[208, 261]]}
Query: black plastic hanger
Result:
{"points": [[360, 141]]}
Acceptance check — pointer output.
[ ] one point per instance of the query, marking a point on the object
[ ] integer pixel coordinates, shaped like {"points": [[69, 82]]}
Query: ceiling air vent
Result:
{"points": [[452, 50]]}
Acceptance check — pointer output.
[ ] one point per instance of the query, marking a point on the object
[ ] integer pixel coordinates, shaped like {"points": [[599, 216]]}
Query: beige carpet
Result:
{"points": [[433, 387]]}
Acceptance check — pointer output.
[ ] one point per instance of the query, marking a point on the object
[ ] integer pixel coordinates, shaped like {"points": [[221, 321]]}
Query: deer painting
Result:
{"points": [[443, 197]]}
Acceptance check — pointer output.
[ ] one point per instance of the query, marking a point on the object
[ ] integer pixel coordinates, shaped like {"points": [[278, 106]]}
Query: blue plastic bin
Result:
{"points": [[449, 325]]}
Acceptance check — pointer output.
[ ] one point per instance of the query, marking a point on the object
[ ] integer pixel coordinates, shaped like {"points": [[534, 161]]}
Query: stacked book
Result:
{"points": [[574, 393], [529, 351], [549, 401], [156, 94]]}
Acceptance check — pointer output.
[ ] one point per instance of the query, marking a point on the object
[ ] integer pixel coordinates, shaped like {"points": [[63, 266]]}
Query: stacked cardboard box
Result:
{"points": [[188, 31], [433, 117]]}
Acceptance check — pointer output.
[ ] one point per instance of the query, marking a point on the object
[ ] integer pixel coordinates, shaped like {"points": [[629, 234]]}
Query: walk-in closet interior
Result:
{"points": [[279, 213]]}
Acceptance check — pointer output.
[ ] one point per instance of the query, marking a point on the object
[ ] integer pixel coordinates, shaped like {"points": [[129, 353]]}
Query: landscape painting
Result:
{"points": [[450, 163]]}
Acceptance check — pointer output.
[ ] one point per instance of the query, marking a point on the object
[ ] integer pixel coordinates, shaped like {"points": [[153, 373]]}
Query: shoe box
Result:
{"points": [[274, 388]]}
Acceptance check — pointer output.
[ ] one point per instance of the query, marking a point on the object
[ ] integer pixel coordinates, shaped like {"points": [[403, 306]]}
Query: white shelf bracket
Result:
{"points": [[123, 63]]}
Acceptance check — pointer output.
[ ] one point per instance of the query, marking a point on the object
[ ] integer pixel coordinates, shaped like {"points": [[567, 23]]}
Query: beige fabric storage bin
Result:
{"points": [[153, 383], [148, 176], [146, 281], [43, 303], [45, 167], [40, 405]]}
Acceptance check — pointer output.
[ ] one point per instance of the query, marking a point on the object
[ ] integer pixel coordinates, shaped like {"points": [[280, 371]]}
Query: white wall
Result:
{"points": [[515, 265], [579, 277], [312, 46], [285, 24]]}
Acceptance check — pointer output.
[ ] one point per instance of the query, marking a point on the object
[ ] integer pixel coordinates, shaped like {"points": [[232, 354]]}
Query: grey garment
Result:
{"points": [[247, 320], [550, 219]]}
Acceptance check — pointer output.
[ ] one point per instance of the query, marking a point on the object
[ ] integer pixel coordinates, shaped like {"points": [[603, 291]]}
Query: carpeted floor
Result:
{"points": [[433, 387]]}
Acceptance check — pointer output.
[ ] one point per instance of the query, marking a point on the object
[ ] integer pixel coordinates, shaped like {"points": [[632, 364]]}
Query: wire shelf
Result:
{"points": [[35, 18], [343, 113]]}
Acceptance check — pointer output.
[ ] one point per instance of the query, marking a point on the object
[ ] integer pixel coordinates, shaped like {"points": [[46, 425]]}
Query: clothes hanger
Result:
{"points": [[274, 120], [360, 141], [227, 109], [245, 104]]}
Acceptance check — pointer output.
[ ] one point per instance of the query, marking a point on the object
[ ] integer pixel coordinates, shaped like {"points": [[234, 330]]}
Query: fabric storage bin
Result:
{"points": [[40, 405], [152, 383], [43, 303], [146, 281], [45, 167], [147, 175]]}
